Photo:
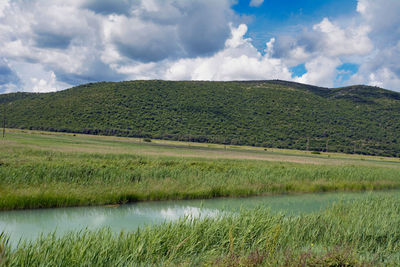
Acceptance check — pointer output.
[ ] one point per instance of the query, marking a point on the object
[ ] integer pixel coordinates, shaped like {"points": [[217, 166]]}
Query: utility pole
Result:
{"points": [[327, 141], [308, 144], [4, 120], [225, 143], [188, 141]]}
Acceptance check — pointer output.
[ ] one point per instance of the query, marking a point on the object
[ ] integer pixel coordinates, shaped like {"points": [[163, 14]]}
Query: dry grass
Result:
{"points": [[54, 170], [135, 146]]}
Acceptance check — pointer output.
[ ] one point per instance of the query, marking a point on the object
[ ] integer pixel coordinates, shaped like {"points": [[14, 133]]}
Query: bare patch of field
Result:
{"points": [[80, 143]]}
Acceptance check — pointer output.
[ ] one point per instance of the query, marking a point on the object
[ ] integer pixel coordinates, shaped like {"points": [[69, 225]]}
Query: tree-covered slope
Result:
{"points": [[356, 119]]}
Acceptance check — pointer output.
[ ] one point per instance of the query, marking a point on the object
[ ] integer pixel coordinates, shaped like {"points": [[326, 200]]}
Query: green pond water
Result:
{"points": [[29, 224]]}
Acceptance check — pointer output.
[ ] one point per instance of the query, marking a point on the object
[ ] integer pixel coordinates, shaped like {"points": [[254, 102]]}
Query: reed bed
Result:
{"points": [[37, 178], [363, 233]]}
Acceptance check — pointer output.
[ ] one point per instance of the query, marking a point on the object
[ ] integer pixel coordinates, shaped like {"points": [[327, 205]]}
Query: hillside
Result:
{"points": [[356, 119]]}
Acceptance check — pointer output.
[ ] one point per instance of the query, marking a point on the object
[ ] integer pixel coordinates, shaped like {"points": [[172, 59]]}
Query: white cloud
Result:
{"points": [[157, 30], [141, 40], [370, 40], [270, 47], [71, 42], [9, 80], [240, 60], [59, 37], [42, 85], [256, 3], [237, 36], [3, 5], [362, 7], [85, 40], [320, 71], [381, 68], [382, 16], [34, 78], [336, 41], [326, 39], [384, 77], [142, 71]]}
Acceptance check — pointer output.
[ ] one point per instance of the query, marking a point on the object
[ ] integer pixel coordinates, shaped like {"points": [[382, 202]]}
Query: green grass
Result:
{"points": [[39, 170], [364, 233]]}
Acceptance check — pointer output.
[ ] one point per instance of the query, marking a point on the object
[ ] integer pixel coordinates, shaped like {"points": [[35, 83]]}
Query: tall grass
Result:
{"points": [[346, 234], [35, 178]]}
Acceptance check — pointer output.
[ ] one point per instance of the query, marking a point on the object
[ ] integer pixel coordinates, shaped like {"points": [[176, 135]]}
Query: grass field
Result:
{"points": [[364, 233], [41, 169]]}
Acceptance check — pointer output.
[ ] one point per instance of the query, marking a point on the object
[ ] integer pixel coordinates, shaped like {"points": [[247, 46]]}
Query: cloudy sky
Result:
{"points": [[48, 45]]}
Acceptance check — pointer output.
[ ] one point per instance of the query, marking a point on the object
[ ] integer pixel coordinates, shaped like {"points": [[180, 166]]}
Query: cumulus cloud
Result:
{"points": [[8, 77], [3, 5], [326, 39], [382, 17], [107, 7], [370, 40], [44, 85], [322, 49], [336, 41], [57, 37], [84, 40], [381, 68], [321, 71], [34, 78], [6, 73], [256, 3], [157, 30], [49, 45], [239, 60], [141, 41]]}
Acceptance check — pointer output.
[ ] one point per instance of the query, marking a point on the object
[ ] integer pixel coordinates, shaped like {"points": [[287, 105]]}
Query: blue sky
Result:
{"points": [[49, 45], [273, 17]]}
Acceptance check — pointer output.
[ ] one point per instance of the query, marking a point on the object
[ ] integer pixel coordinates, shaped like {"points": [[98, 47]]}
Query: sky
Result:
{"points": [[50, 45]]}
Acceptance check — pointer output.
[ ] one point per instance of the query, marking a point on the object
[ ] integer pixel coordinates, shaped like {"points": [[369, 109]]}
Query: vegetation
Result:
{"points": [[364, 233], [275, 114], [40, 170], [44, 169]]}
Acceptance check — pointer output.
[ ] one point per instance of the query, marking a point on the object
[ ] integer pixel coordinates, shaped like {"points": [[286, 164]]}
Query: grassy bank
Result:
{"points": [[364, 233], [39, 170]]}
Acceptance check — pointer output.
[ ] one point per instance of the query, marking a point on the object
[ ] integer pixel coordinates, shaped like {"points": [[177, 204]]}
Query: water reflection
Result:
{"points": [[28, 224]]}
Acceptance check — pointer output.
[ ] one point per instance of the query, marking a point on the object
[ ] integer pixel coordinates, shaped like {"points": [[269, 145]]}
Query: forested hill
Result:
{"points": [[356, 119]]}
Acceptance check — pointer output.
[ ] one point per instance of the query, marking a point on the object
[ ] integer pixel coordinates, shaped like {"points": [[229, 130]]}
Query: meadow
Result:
{"points": [[364, 233], [43, 170], [357, 119]]}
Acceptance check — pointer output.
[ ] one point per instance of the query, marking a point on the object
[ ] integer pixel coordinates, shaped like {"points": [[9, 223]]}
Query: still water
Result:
{"points": [[29, 224]]}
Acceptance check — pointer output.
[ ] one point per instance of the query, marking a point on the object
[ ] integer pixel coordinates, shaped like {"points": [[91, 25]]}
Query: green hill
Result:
{"points": [[355, 119]]}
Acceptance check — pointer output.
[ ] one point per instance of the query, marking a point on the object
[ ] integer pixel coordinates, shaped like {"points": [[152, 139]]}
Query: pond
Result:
{"points": [[29, 224]]}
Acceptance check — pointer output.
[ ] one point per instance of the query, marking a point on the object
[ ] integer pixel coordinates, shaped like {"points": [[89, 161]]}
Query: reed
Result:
{"points": [[36, 178], [42, 170], [363, 233]]}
